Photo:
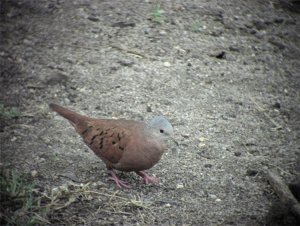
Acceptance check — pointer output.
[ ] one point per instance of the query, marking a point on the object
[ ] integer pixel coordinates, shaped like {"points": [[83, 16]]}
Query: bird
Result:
{"points": [[123, 145]]}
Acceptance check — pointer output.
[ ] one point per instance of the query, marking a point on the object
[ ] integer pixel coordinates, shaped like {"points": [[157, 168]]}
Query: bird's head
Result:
{"points": [[161, 127]]}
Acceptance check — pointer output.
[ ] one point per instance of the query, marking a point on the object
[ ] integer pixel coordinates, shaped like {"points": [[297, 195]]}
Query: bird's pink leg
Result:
{"points": [[119, 182], [147, 179]]}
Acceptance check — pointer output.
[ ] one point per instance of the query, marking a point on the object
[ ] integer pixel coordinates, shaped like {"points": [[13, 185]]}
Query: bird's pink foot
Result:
{"points": [[148, 179], [119, 182]]}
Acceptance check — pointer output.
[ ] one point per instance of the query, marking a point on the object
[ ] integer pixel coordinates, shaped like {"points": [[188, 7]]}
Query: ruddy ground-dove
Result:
{"points": [[123, 145]]}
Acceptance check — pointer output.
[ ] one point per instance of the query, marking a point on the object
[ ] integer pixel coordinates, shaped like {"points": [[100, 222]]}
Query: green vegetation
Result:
{"points": [[23, 204], [18, 200], [196, 27], [9, 112], [157, 14]]}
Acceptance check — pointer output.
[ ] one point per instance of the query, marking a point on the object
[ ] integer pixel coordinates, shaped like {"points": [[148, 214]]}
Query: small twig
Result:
{"points": [[41, 219], [277, 126], [126, 50], [80, 60], [33, 86], [69, 202], [279, 168], [117, 212], [71, 45], [284, 193], [113, 196], [107, 195]]}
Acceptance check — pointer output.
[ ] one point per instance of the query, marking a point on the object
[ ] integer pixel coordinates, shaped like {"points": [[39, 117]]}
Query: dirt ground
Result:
{"points": [[225, 73]]}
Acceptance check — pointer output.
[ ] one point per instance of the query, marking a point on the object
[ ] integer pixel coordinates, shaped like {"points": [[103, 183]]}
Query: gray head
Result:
{"points": [[160, 126]]}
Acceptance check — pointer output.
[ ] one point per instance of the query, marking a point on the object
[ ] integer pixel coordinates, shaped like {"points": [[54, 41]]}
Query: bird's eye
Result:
{"points": [[161, 131]]}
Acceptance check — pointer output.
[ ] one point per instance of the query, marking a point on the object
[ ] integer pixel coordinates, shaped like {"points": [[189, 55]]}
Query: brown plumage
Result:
{"points": [[123, 145]]}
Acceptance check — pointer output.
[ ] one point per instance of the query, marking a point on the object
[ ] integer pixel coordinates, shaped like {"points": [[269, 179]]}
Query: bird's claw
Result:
{"points": [[119, 183], [148, 179]]}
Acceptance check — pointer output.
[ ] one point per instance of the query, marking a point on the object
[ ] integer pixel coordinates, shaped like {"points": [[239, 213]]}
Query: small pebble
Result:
{"points": [[27, 42], [212, 196], [93, 18], [167, 64], [179, 186], [202, 139], [208, 165], [276, 105], [126, 62], [34, 173], [149, 109], [201, 145], [237, 153], [185, 135], [251, 172]]}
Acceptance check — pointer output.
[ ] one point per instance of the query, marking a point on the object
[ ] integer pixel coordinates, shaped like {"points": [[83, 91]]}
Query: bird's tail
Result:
{"points": [[72, 116]]}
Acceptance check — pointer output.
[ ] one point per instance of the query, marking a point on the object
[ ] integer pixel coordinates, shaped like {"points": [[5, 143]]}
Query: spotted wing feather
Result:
{"points": [[108, 141]]}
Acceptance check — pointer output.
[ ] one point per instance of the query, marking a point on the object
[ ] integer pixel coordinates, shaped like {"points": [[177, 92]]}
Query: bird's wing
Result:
{"points": [[107, 138]]}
